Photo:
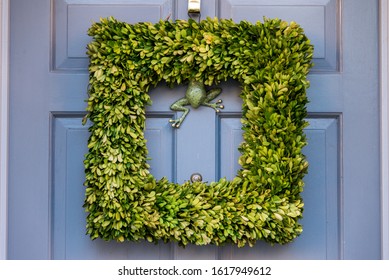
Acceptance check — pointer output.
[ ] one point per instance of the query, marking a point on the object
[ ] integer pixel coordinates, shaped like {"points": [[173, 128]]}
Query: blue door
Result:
{"points": [[48, 84]]}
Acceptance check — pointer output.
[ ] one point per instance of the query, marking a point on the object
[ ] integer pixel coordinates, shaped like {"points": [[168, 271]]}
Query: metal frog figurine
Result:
{"points": [[195, 96]]}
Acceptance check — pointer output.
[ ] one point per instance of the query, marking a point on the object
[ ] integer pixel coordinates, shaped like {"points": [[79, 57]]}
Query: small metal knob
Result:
{"points": [[196, 177]]}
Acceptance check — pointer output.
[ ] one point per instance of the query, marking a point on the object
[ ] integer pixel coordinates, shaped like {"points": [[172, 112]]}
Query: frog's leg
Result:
{"points": [[179, 106], [212, 94]]}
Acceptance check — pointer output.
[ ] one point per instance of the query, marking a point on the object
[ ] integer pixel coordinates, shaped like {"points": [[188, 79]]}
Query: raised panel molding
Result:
{"points": [[323, 188], [322, 195], [68, 218], [319, 18], [72, 18], [160, 144], [229, 132]]}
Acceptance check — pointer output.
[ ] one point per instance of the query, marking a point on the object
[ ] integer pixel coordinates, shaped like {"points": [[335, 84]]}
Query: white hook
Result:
{"points": [[194, 7]]}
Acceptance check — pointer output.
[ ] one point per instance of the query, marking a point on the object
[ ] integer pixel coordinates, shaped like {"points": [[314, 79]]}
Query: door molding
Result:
{"points": [[4, 94], [384, 137]]}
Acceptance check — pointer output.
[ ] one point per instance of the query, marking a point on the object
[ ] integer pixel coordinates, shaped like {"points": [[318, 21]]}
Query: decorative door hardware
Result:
{"points": [[196, 177], [195, 96]]}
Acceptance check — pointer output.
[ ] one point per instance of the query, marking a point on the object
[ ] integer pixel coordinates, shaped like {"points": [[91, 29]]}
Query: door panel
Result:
{"points": [[320, 238], [230, 136], [72, 18], [48, 84], [69, 239], [160, 143], [319, 18]]}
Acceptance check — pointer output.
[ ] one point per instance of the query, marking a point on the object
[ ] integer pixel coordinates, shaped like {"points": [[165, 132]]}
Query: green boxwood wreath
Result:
{"points": [[124, 201]]}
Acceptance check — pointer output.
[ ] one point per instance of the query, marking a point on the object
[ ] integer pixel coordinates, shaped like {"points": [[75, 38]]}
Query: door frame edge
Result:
{"points": [[384, 124], [4, 118]]}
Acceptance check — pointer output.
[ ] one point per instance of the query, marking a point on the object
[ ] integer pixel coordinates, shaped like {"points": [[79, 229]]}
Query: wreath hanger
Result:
{"points": [[194, 7]]}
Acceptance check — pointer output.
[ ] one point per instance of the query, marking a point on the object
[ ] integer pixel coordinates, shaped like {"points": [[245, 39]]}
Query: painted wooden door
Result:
{"points": [[48, 84]]}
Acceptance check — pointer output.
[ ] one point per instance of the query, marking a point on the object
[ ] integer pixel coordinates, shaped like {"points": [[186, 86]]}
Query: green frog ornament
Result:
{"points": [[195, 96]]}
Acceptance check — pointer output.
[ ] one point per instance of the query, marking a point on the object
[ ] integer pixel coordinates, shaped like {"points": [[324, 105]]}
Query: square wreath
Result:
{"points": [[124, 201]]}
